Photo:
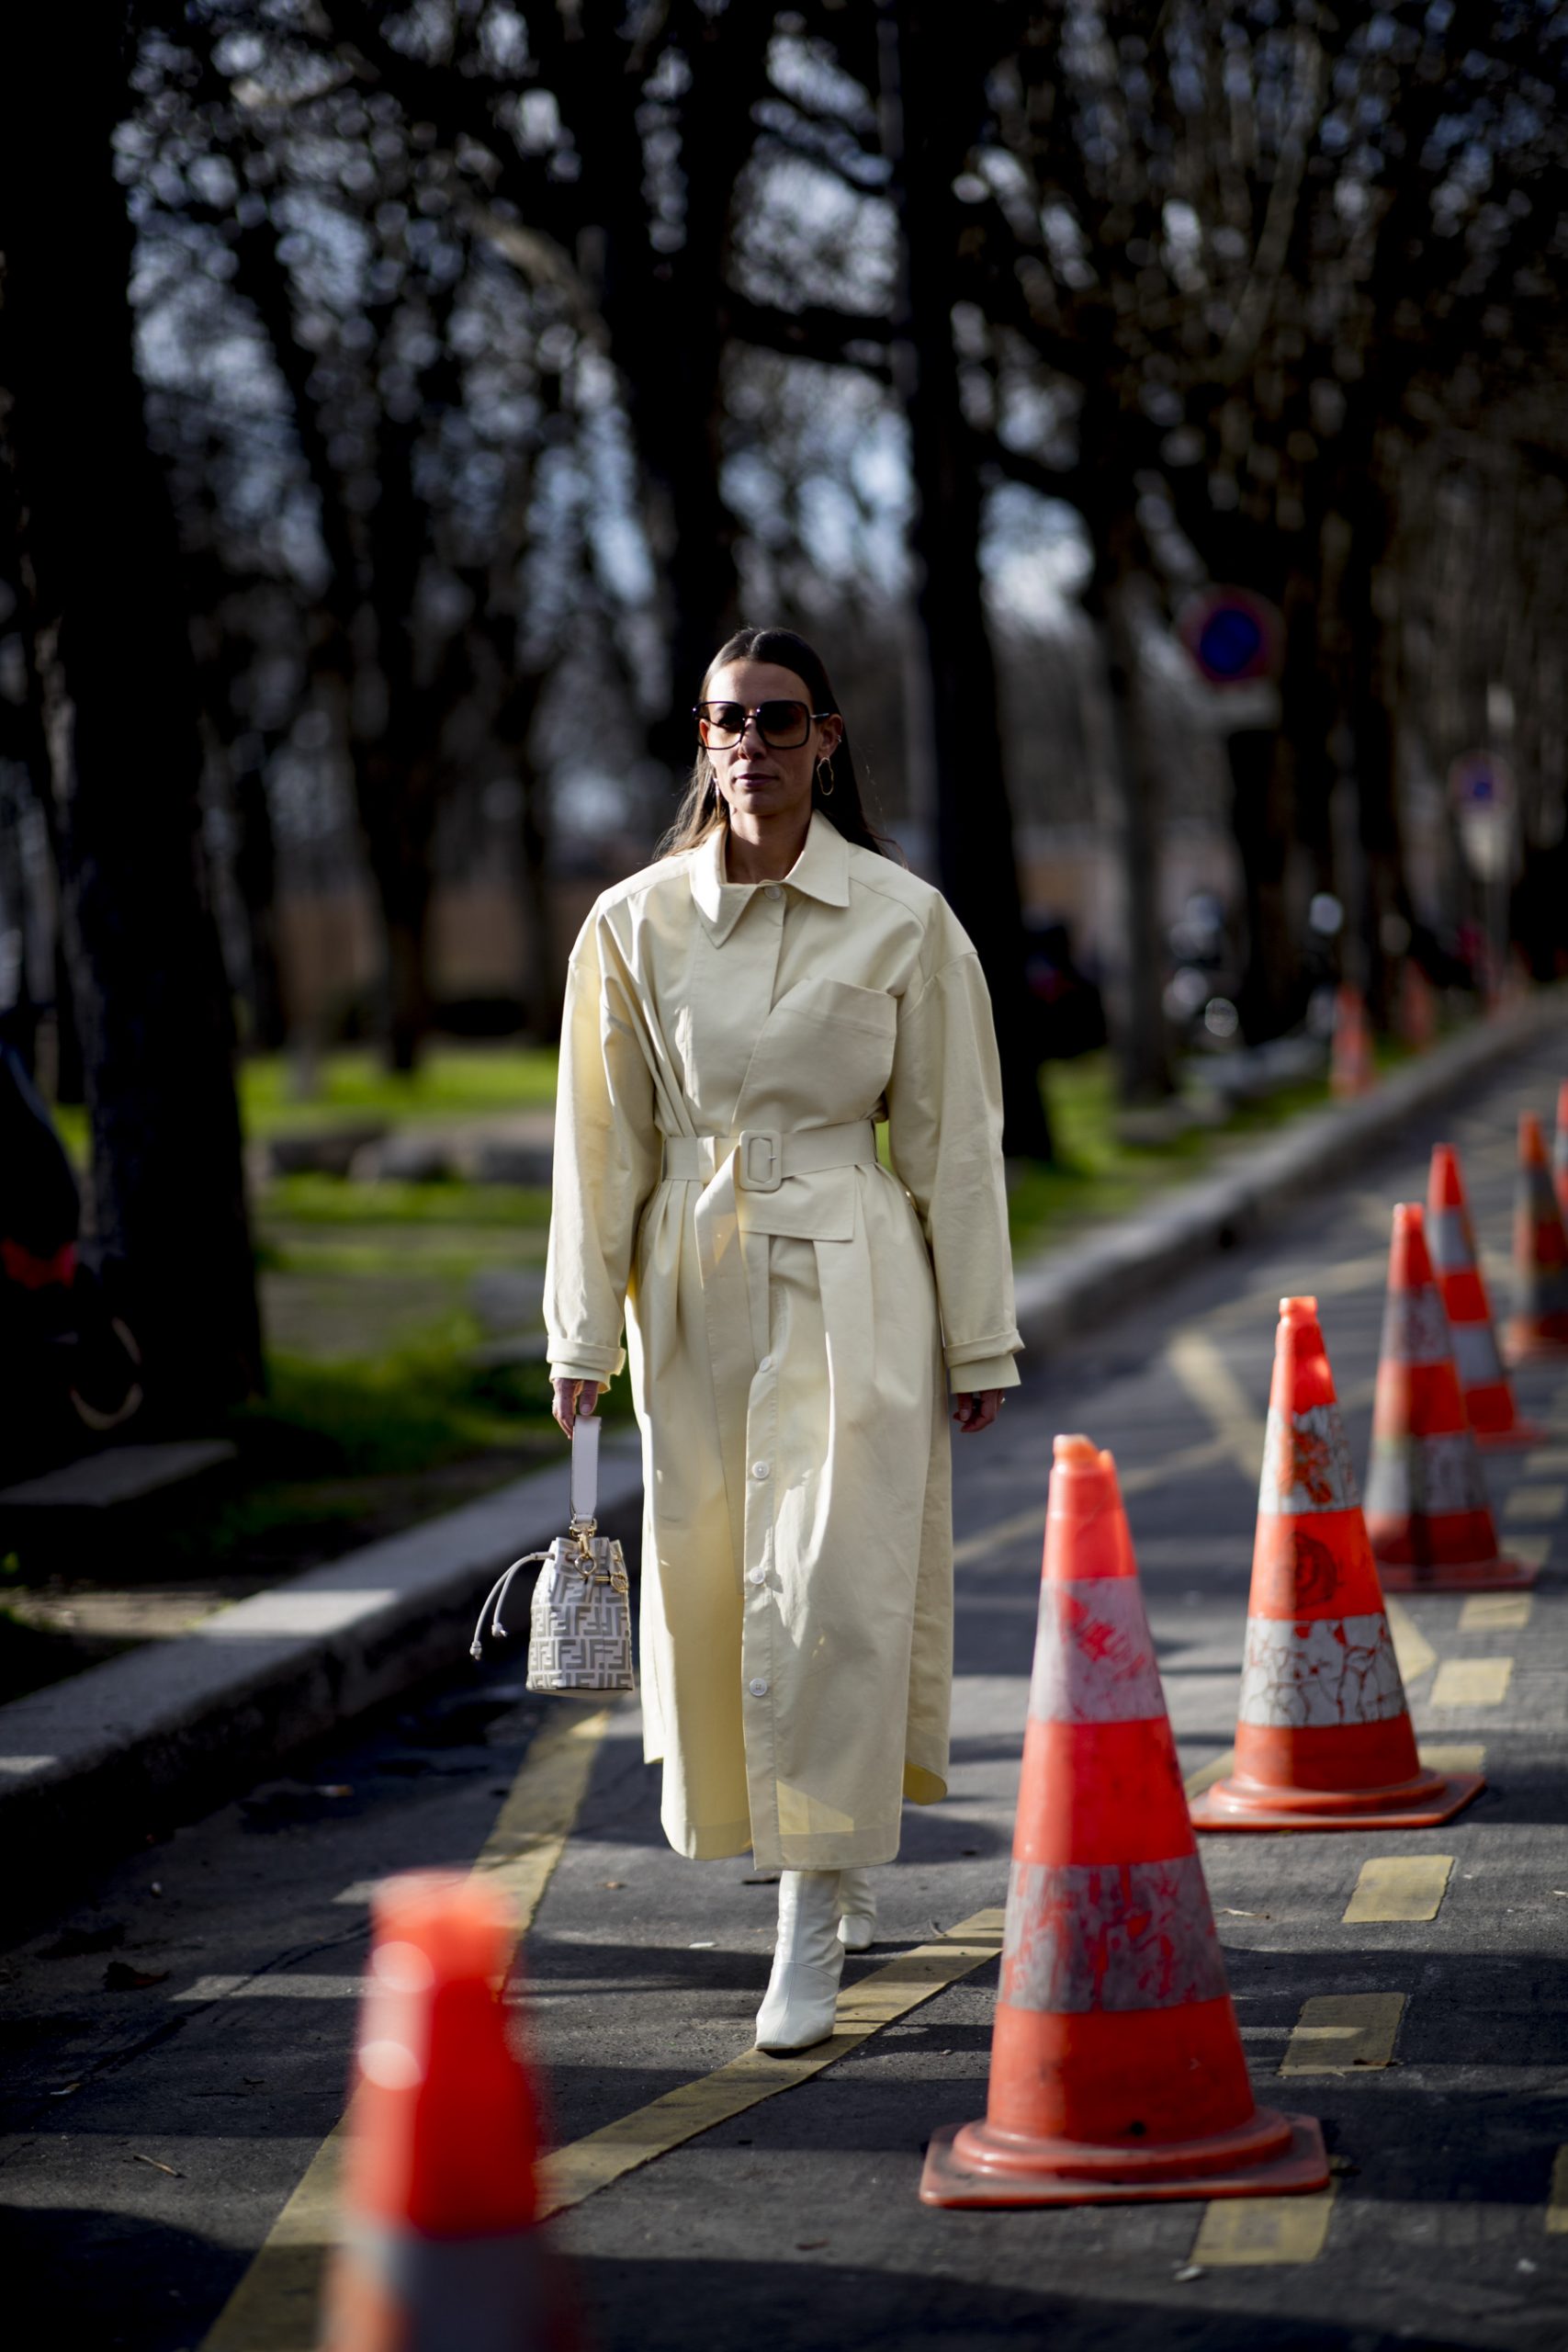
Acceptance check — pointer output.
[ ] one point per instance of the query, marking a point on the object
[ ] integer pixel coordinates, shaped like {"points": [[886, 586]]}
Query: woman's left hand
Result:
{"points": [[976, 1409]]}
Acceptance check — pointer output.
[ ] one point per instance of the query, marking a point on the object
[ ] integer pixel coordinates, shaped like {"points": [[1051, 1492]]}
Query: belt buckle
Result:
{"points": [[752, 1141]]}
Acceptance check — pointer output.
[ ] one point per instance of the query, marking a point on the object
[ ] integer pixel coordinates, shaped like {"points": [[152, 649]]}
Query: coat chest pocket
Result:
{"points": [[825, 1054]]}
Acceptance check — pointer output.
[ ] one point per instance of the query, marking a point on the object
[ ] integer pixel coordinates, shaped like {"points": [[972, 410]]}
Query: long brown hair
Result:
{"points": [[702, 809]]}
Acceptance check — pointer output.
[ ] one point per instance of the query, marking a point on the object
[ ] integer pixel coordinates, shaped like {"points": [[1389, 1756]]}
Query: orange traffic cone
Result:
{"points": [[1323, 1740], [1417, 1007], [1117, 2073], [1489, 1405], [1560, 1150], [1427, 1513], [1350, 1066], [1539, 1325], [440, 2251]]}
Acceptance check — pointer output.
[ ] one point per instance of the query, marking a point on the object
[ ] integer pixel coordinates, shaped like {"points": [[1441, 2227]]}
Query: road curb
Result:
{"points": [[1088, 1279], [96, 1762]]}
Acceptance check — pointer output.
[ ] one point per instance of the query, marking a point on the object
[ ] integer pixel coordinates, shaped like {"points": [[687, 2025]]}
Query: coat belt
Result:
{"points": [[765, 1156], [757, 1160]]}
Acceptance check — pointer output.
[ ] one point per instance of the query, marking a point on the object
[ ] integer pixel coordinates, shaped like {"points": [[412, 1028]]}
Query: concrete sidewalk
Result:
{"points": [[95, 1762]]}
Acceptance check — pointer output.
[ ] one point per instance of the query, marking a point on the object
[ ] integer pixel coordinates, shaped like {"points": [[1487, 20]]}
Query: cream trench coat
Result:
{"points": [[786, 1333]]}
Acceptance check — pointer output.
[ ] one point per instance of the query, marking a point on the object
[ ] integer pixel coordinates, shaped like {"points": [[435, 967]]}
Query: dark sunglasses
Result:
{"points": [[783, 726]]}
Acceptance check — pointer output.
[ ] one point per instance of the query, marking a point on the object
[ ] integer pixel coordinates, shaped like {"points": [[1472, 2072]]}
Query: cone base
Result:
{"points": [[1457, 1575], [1414, 1805], [1532, 1347], [968, 2165], [1523, 1433]]}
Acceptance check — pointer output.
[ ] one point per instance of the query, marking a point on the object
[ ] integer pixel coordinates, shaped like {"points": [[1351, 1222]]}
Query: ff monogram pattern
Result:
{"points": [[580, 1628]]}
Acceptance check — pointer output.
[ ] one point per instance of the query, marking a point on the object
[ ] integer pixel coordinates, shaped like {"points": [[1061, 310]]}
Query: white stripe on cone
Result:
{"points": [[1307, 1463], [1320, 1672]]}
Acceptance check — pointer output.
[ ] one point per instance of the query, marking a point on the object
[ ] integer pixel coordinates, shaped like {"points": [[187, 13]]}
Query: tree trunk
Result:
{"points": [[927, 142], [255, 879], [1139, 1035], [121, 712]]}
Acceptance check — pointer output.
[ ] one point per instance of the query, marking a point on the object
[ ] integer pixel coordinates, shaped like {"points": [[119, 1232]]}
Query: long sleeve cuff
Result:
{"points": [[982, 1371], [589, 1363]]}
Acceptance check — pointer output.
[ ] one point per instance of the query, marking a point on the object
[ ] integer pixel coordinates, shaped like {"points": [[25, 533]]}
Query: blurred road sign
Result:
{"points": [[1231, 636], [1482, 791]]}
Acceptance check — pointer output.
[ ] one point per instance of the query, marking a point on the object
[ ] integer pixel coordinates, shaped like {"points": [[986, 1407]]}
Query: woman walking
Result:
{"points": [[737, 1016]]}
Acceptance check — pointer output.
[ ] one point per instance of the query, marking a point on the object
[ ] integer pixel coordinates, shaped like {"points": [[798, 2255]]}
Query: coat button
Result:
{"points": [[758, 1688], [759, 1469], [757, 1576], [766, 1364], [774, 891]]}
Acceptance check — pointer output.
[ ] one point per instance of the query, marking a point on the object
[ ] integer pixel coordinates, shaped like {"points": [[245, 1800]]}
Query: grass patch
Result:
{"points": [[338, 1200], [452, 1082], [1097, 1175], [413, 1408]]}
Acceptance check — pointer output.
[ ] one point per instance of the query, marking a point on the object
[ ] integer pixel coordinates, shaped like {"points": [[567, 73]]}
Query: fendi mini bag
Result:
{"points": [[580, 1627]]}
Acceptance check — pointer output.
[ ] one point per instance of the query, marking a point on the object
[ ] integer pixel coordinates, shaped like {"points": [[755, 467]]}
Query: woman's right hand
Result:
{"points": [[575, 1397]]}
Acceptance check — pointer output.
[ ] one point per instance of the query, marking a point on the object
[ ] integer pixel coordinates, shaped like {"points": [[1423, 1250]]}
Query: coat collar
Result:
{"points": [[820, 872]]}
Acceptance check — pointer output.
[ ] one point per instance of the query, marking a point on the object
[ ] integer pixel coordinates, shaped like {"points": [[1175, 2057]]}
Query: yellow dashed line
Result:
{"points": [[1535, 1504], [1341, 2033], [1399, 1886], [1220, 1397], [1207, 1774], [576, 2171], [1495, 1612], [1472, 1683], [1532, 1549], [1547, 1460], [1453, 1756], [1411, 1647], [1244, 2232]]}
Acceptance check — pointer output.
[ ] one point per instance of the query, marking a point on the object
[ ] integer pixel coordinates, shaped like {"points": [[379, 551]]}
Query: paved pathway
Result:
{"points": [[156, 2130]]}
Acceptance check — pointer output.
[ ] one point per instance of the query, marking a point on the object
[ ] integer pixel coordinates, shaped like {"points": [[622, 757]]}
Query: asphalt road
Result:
{"points": [[177, 2043]]}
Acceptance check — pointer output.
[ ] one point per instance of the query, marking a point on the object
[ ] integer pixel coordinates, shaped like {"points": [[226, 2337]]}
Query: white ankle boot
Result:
{"points": [[808, 1960], [857, 1910]]}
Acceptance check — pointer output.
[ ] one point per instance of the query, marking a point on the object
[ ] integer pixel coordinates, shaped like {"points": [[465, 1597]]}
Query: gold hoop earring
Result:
{"points": [[825, 784]]}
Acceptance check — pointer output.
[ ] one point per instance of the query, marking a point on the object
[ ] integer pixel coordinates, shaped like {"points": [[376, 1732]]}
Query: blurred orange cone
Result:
{"points": [[1560, 1150], [1427, 1513], [1117, 2072], [1350, 1067], [1538, 1324], [440, 2251], [1417, 1007], [1488, 1393], [1323, 1740]]}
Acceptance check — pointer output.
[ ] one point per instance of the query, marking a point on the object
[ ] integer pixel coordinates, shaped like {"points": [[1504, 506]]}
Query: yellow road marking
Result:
{"points": [[1411, 1648], [1238, 2233], [1533, 1549], [274, 2308], [1338, 2033], [1535, 1503], [1455, 1756], [576, 2171], [1495, 1612], [1331, 1281], [1399, 1886], [1472, 1683], [1557, 2199], [1546, 1460], [1136, 1481], [1220, 1397], [1207, 1774]]}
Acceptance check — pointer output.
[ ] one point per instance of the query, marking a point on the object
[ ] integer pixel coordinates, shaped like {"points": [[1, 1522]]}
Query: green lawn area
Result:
{"points": [[377, 1297], [454, 1082]]}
